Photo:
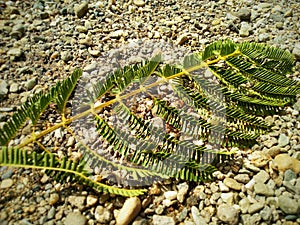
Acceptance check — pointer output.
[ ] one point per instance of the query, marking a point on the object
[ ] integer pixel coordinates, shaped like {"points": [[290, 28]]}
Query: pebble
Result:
{"points": [[288, 205], [3, 87], [273, 151], [263, 189], [233, 184], [244, 14], [261, 177], [81, 9], [6, 183], [182, 39], [91, 200], [103, 215], [117, 34], [284, 162], [296, 51], [242, 178], [198, 219], [228, 214], [77, 201], [283, 140], [139, 3], [171, 195], [182, 191], [31, 83], [166, 220], [255, 207], [129, 211], [75, 218], [54, 198], [16, 52], [245, 29]]}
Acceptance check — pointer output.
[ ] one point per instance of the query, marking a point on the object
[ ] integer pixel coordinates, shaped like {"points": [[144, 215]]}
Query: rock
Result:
{"points": [[66, 56], [81, 29], [103, 215], [77, 201], [273, 151], [163, 220], [228, 198], [284, 162], [228, 214], [288, 205], [223, 187], [296, 51], [244, 14], [233, 184], [75, 218], [16, 52], [244, 205], [182, 191], [14, 88], [3, 88], [171, 195], [91, 200], [51, 213], [54, 198], [255, 207], [283, 140], [261, 177], [245, 29], [30, 83], [117, 34], [95, 53], [182, 39], [71, 141], [243, 178], [130, 209], [263, 189], [44, 15], [198, 219], [139, 3], [270, 142], [289, 175], [266, 213], [6, 183], [182, 215], [81, 9], [263, 37]]}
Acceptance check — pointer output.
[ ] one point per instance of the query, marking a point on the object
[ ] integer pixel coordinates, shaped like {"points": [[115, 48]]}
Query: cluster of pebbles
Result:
{"points": [[43, 41]]}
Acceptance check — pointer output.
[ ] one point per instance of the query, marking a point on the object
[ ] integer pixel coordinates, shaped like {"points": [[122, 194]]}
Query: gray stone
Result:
{"points": [[255, 207], [66, 56], [283, 140], [51, 213], [75, 218], [255, 219], [245, 29], [182, 215], [289, 175], [266, 213], [14, 87], [103, 215], [228, 214], [81, 10], [288, 205], [244, 204], [182, 191], [16, 52], [243, 178], [198, 219], [244, 14], [166, 220], [261, 177], [263, 37], [263, 189], [31, 83], [296, 51], [7, 174], [3, 87]]}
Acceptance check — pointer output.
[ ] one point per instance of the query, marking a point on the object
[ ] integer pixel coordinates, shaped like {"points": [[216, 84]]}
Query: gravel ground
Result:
{"points": [[43, 41]]}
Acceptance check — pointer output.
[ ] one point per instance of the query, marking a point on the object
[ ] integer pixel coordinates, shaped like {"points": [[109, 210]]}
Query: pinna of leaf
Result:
{"points": [[249, 82]]}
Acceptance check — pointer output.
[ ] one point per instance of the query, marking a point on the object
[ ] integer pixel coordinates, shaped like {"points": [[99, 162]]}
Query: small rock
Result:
{"points": [[245, 29], [30, 83], [182, 191], [266, 213], [51, 213], [66, 56], [91, 200], [263, 37], [263, 189], [198, 219], [288, 205], [228, 198], [81, 29], [6, 183], [296, 51], [244, 14], [77, 201], [3, 88], [81, 10], [117, 34], [261, 177], [44, 15], [75, 218], [16, 52], [273, 151], [171, 195], [243, 178], [244, 205], [54, 198], [163, 220], [289, 175], [103, 215], [71, 142], [182, 39], [284, 162], [129, 211], [233, 184], [139, 3], [223, 187], [14, 88], [95, 53], [228, 214], [255, 207], [283, 140]]}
